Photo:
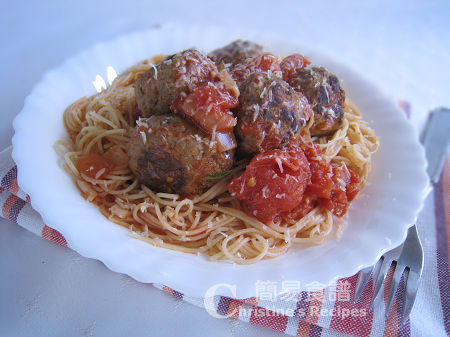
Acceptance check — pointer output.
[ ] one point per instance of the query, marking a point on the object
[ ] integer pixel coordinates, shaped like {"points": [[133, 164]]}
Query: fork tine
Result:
{"points": [[379, 278], [363, 278], [412, 284], [398, 272]]}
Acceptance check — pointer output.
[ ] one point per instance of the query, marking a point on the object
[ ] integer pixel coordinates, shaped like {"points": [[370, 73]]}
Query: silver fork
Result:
{"points": [[408, 258]]}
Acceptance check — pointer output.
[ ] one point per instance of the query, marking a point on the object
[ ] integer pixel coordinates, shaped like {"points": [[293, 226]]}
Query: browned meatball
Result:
{"points": [[182, 72], [235, 52], [168, 154], [270, 114], [325, 95]]}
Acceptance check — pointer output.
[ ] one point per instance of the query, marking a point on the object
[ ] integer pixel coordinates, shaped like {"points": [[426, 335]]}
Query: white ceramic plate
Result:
{"points": [[377, 220]]}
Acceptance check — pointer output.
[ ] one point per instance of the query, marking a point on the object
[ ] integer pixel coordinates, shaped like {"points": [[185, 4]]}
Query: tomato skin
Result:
{"points": [[305, 206], [273, 182], [208, 107], [291, 64], [92, 164]]}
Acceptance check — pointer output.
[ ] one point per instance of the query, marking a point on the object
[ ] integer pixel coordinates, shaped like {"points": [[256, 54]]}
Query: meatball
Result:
{"points": [[235, 52], [180, 73], [325, 95], [270, 114], [168, 154]]}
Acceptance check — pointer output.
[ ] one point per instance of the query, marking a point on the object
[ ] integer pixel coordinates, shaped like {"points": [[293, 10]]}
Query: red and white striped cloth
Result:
{"points": [[329, 312]]}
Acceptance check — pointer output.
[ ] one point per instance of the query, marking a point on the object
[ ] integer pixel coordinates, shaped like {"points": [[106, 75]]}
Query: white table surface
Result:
{"points": [[47, 290]]}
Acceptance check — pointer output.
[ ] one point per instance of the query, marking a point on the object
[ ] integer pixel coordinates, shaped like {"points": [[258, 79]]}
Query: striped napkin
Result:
{"points": [[318, 311]]}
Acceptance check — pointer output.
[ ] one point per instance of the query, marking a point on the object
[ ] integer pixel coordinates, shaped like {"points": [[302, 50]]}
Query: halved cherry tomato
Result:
{"points": [[307, 204], [273, 182]]}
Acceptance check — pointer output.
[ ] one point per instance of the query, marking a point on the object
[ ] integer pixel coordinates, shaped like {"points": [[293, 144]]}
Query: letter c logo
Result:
{"points": [[208, 300]]}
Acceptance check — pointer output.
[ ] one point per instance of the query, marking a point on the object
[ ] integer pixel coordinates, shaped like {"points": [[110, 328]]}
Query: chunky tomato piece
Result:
{"points": [[264, 62], [321, 173], [345, 188], [94, 166], [291, 64], [333, 186], [352, 188], [273, 182], [208, 107], [227, 83]]}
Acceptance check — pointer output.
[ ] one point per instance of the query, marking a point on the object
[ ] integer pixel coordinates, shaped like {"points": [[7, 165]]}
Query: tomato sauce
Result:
{"points": [[94, 166]]}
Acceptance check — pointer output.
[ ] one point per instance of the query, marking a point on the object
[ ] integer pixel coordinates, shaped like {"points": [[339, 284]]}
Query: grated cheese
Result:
{"points": [[140, 122], [144, 137], [255, 108], [118, 211], [213, 137], [341, 182], [155, 76], [159, 240], [224, 235], [242, 188], [280, 164], [263, 92], [287, 236], [99, 173], [264, 191], [144, 207]]}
